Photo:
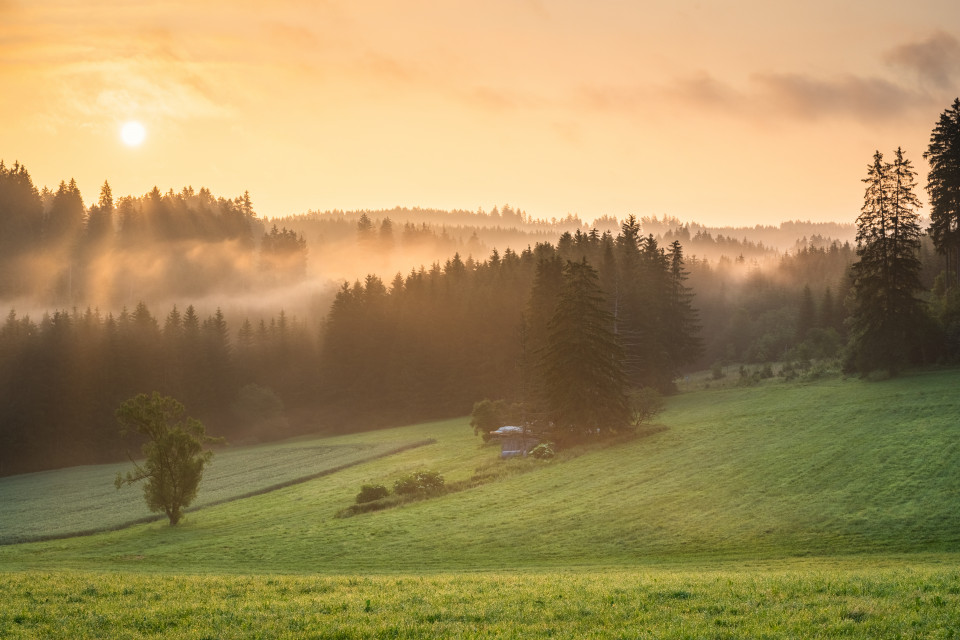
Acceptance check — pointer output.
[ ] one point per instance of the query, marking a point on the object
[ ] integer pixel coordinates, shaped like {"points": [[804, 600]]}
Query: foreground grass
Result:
{"points": [[913, 600], [829, 509]]}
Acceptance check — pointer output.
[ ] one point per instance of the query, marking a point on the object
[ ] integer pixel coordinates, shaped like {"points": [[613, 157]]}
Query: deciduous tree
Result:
{"points": [[173, 452]]}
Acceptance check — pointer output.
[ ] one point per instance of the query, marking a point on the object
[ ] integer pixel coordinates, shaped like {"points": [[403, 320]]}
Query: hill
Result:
{"points": [[829, 468]]}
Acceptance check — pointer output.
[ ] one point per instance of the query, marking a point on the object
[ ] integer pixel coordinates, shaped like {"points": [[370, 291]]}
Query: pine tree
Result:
{"points": [[943, 186], [888, 315]]}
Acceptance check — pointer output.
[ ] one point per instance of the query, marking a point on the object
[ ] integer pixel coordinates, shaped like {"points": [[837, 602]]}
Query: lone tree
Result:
{"points": [[943, 186], [888, 315], [174, 452]]}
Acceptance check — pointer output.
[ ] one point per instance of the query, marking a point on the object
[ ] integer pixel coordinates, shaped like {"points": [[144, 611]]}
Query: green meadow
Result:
{"points": [[828, 508]]}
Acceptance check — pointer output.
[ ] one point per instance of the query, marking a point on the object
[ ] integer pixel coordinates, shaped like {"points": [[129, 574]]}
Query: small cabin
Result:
{"points": [[515, 441]]}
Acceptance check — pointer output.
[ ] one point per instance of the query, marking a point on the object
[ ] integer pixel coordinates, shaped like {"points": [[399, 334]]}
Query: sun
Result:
{"points": [[133, 133]]}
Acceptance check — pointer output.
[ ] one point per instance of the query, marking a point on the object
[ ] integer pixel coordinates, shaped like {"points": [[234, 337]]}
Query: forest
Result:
{"points": [[268, 328]]}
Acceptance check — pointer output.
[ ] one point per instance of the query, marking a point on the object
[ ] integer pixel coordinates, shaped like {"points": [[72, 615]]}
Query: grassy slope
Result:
{"points": [[78, 500], [829, 468]]}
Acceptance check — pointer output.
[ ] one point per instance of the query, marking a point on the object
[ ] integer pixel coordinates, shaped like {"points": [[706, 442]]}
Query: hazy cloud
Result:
{"points": [[935, 60], [810, 98], [705, 90], [776, 95]]}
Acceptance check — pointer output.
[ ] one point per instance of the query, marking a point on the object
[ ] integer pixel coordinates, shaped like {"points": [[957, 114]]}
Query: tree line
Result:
{"points": [[430, 343], [895, 322], [58, 251], [436, 340], [62, 377]]}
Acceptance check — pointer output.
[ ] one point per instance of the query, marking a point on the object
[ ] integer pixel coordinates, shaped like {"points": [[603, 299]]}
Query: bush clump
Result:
{"points": [[489, 415], [371, 492], [419, 482], [543, 451], [645, 404]]}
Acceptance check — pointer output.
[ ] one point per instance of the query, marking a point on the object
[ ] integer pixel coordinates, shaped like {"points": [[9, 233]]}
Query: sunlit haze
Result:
{"points": [[133, 133], [722, 112]]}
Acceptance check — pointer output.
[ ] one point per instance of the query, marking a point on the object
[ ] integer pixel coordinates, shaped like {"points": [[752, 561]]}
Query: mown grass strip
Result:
{"points": [[253, 476]]}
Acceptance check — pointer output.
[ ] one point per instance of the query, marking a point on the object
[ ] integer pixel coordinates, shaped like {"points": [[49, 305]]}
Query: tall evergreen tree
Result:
{"points": [[943, 186], [806, 315], [582, 362], [681, 319], [100, 215], [888, 316]]}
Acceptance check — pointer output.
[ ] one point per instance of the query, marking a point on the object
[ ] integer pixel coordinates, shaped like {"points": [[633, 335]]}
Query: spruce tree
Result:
{"points": [[943, 186], [682, 320], [888, 315], [805, 315], [582, 362]]}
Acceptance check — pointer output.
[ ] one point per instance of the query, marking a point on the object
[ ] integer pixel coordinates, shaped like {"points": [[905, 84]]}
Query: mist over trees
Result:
{"points": [[425, 344], [54, 251], [481, 305], [62, 377]]}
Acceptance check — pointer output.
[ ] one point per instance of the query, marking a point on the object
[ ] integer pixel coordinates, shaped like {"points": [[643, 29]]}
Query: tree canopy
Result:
{"points": [[173, 452]]}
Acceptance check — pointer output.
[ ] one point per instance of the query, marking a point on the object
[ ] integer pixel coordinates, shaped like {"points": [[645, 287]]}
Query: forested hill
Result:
{"points": [[391, 240], [782, 237], [141, 294]]}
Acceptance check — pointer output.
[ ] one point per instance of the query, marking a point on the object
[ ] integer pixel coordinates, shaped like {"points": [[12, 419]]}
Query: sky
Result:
{"points": [[734, 112]]}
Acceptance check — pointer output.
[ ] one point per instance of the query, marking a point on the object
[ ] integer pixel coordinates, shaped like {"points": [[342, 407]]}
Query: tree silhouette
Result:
{"points": [[888, 316], [943, 186]]}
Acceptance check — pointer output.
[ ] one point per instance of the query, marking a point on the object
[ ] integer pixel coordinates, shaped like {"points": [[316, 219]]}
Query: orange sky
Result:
{"points": [[724, 112]]}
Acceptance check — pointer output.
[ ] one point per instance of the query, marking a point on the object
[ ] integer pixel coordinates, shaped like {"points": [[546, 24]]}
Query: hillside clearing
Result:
{"points": [[80, 500], [829, 468]]}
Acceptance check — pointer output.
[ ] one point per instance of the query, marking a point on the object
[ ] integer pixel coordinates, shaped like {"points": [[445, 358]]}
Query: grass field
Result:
{"points": [[767, 511], [900, 601], [83, 499]]}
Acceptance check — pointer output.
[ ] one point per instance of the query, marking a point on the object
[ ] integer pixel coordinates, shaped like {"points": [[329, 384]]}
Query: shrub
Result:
{"points": [[419, 482], [543, 451], [716, 371], [371, 492], [489, 415], [645, 403], [486, 417], [748, 378]]}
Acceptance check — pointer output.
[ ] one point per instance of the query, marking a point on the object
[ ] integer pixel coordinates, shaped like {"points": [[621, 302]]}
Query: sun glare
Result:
{"points": [[133, 133]]}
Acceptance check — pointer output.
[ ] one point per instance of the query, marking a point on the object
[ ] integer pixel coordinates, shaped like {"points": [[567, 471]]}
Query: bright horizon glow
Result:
{"points": [[724, 113], [133, 133]]}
